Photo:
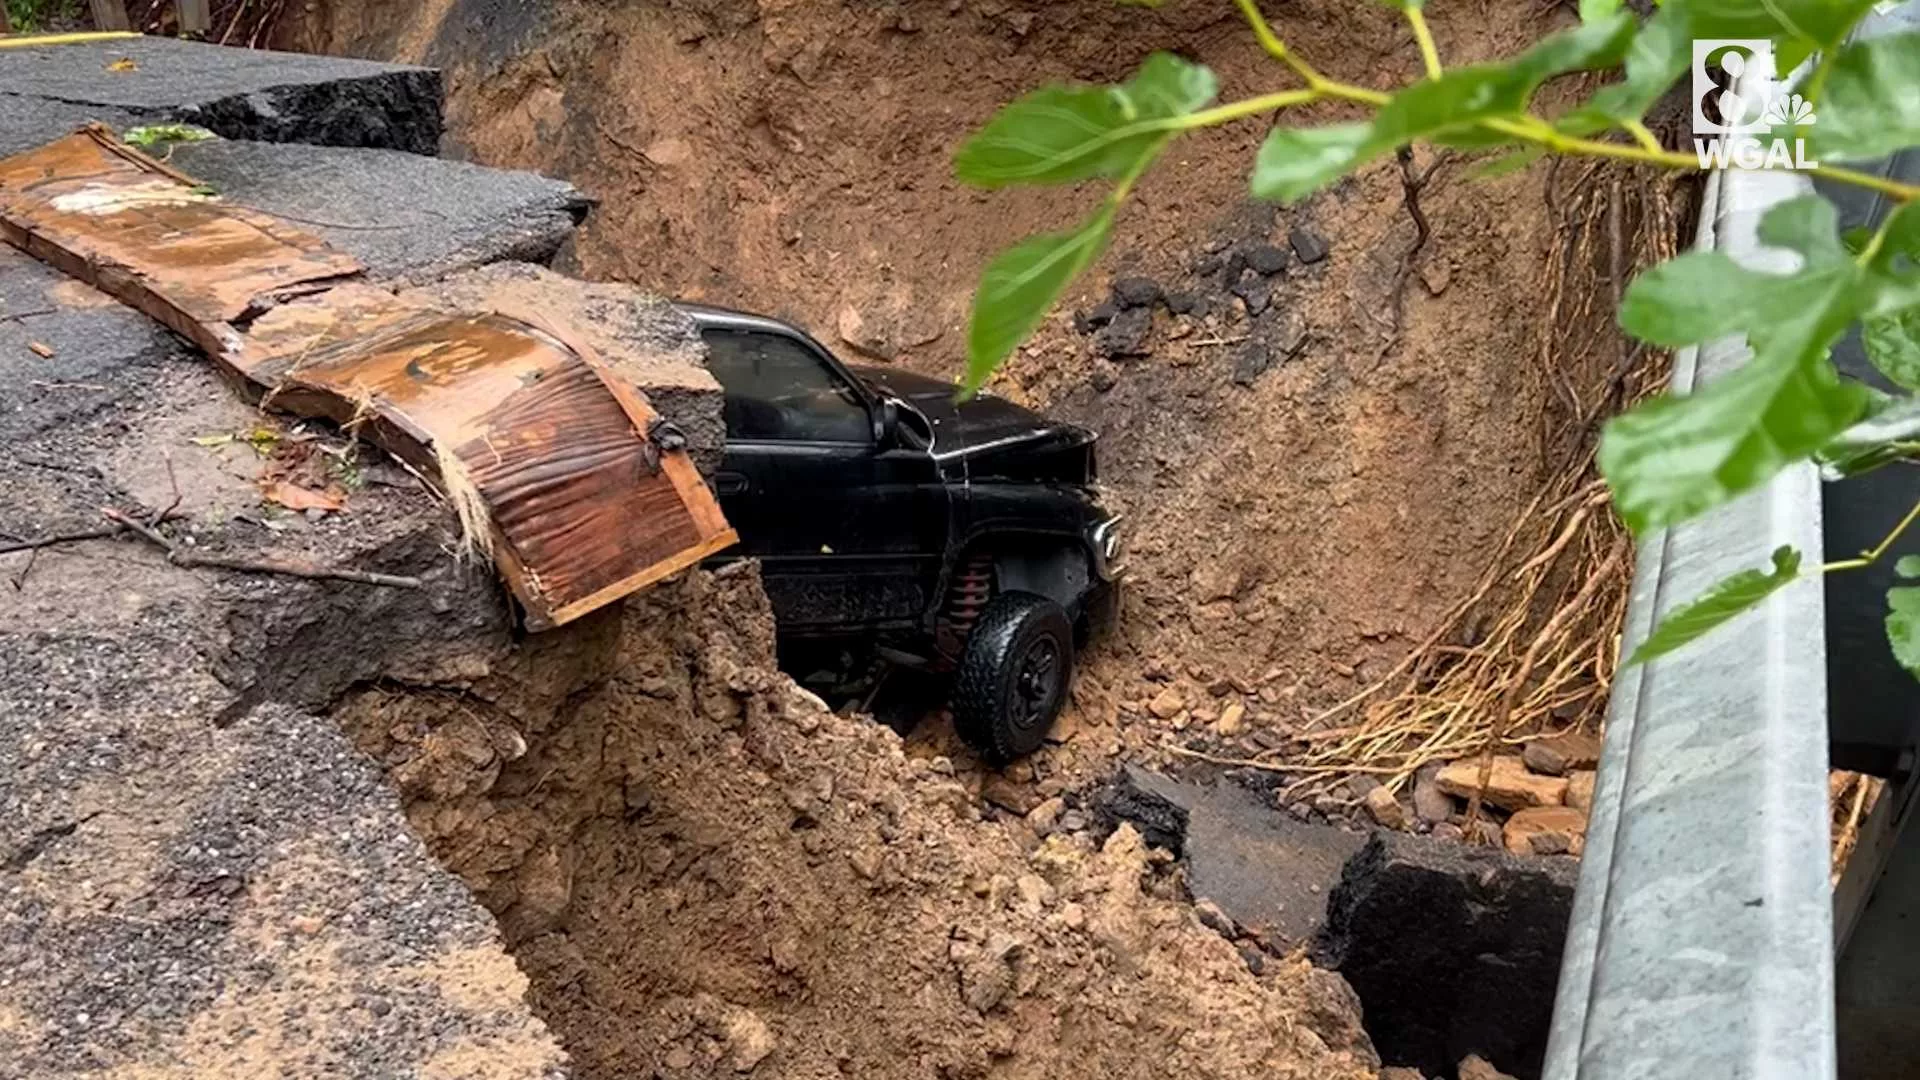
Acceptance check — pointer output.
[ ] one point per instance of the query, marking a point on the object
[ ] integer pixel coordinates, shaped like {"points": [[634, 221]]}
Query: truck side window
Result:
{"points": [[776, 388]]}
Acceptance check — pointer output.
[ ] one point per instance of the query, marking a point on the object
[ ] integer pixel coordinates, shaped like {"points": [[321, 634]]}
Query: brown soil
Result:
{"points": [[1291, 538], [704, 873]]}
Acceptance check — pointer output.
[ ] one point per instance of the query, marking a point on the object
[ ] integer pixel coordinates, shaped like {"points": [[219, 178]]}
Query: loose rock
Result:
{"points": [[1252, 363], [1125, 801], [1096, 317], [1546, 830], [1561, 754], [1509, 786], [1386, 809], [1167, 703], [1232, 720], [1254, 291], [1214, 919], [1430, 804], [1044, 818], [1580, 790], [1309, 245], [1475, 1067], [1126, 334], [1266, 259], [1287, 331], [1008, 795], [863, 335], [1136, 292], [748, 1040]]}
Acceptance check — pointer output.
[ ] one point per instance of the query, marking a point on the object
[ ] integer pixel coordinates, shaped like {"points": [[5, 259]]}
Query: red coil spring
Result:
{"points": [[966, 598]]}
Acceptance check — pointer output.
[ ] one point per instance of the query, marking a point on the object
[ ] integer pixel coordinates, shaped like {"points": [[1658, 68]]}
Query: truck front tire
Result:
{"points": [[1013, 676]]}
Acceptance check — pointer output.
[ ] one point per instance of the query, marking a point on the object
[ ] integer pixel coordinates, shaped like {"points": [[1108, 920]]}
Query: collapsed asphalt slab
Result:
{"points": [[238, 93], [408, 218], [1265, 870], [196, 870], [1454, 950]]}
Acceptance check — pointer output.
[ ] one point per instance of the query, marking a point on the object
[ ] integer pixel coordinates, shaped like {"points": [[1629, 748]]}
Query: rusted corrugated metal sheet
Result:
{"points": [[546, 451]]}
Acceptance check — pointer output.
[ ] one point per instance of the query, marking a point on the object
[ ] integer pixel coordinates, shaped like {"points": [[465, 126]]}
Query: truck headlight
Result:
{"points": [[1104, 539]]}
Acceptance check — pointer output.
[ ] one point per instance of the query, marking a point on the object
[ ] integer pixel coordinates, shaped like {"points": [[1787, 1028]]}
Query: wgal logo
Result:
{"points": [[1743, 114]]}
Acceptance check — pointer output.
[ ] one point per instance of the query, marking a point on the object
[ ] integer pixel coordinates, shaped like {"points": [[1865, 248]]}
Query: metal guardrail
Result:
{"points": [[1701, 941]]}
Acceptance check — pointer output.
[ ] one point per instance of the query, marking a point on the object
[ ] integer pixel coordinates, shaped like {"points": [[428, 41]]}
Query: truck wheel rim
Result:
{"points": [[1038, 682]]}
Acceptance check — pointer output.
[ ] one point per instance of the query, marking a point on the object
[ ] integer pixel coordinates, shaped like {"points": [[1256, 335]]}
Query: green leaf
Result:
{"points": [[1508, 163], [1908, 566], [1700, 296], [1061, 134], [1472, 138], [1893, 344], [1728, 597], [1021, 285], [1809, 225], [151, 136], [1871, 104], [1659, 55], [1903, 626], [1820, 23], [1295, 162], [1456, 99], [1893, 274], [1676, 456], [1601, 41], [1890, 432], [1705, 295]]}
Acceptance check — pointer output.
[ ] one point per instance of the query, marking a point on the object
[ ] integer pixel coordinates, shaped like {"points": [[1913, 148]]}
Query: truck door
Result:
{"points": [[850, 533]]}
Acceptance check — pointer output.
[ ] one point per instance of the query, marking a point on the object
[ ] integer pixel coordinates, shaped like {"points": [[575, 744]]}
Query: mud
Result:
{"points": [[704, 872]]}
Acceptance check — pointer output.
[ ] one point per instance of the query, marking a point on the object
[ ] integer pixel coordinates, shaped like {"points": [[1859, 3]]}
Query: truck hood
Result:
{"points": [[982, 422]]}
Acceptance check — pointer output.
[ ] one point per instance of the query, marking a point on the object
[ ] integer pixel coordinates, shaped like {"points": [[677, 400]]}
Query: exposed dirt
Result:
{"points": [[704, 873], [1306, 485]]}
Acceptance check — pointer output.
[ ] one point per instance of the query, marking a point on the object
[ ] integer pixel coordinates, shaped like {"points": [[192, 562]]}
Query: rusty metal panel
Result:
{"points": [[546, 453]]}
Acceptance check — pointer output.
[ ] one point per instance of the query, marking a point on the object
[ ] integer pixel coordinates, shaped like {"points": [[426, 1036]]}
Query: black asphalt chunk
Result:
{"points": [[238, 93], [1309, 245], [1453, 950], [1135, 292]]}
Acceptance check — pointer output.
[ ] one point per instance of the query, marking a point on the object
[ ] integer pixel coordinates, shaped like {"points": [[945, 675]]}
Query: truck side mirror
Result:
{"points": [[887, 424]]}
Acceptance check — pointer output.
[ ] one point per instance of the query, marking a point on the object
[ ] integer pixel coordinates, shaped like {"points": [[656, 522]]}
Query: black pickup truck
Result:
{"points": [[960, 537]]}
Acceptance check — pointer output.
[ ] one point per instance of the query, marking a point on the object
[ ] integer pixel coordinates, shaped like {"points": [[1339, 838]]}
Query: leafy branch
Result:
{"points": [[1672, 457]]}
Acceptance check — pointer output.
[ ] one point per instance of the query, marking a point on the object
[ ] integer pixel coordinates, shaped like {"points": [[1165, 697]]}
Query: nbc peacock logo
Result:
{"points": [[1788, 110]]}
